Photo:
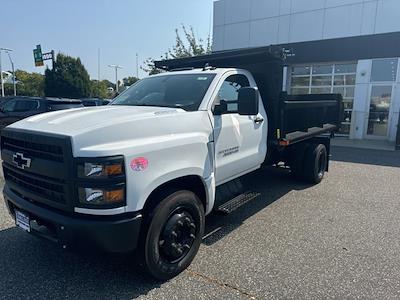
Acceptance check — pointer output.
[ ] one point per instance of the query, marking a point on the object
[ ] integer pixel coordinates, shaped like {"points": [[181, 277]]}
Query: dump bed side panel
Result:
{"points": [[304, 116]]}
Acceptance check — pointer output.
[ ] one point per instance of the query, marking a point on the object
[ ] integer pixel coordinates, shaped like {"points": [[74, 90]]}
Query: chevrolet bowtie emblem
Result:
{"points": [[21, 161]]}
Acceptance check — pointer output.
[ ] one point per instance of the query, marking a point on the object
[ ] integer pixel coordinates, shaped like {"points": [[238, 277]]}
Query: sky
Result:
{"points": [[119, 28]]}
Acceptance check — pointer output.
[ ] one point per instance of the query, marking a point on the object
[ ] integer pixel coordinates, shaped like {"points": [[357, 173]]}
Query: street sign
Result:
{"points": [[38, 56]]}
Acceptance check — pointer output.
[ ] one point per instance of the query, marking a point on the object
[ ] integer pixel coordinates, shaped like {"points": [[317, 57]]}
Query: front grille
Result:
{"points": [[40, 187], [47, 179], [38, 150]]}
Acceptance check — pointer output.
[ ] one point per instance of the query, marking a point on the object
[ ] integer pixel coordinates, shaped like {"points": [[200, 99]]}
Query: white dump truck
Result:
{"points": [[142, 173]]}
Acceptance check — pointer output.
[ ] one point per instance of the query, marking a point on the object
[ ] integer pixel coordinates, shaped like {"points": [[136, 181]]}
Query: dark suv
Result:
{"points": [[94, 101], [14, 109]]}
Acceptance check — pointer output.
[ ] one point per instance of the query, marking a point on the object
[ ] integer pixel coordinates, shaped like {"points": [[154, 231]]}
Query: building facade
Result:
{"points": [[350, 47]]}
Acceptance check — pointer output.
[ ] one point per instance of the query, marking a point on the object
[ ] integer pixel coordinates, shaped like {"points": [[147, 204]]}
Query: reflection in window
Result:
{"points": [[322, 69], [345, 68], [301, 81], [230, 87], [384, 70], [229, 90], [318, 90], [299, 91], [302, 70], [379, 110], [321, 80]]}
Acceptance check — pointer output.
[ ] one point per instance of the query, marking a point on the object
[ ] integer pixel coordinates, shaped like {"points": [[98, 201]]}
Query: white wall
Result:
{"points": [[250, 23]]}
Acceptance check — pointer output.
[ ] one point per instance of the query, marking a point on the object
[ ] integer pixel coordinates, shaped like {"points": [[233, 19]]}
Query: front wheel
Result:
{"points": [[174, 235]]}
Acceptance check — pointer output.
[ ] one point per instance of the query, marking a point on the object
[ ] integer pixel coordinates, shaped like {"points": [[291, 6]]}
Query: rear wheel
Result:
{"points": [[174, 235], [315, 163]]}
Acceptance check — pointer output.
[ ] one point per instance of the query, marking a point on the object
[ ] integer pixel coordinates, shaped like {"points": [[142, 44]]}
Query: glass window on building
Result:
{"points": [[384, 70], [325, 79]]}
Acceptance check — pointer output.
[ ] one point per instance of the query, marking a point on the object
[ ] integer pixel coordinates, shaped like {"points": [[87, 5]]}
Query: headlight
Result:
{"points": [[101, 196], [104, 169], [101, 182]]}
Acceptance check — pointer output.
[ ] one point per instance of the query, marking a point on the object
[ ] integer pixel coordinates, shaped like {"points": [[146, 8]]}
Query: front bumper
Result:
{"points": [[119, 233]]}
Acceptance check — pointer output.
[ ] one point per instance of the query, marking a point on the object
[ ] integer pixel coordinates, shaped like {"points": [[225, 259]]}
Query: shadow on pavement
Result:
{"points": [[33, 268], [272, 183], [366, 156]]}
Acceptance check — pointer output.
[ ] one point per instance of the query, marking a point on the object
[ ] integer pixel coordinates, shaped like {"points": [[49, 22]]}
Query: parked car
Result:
{"points": [[14, 109], [7, 98], [94, 102]]}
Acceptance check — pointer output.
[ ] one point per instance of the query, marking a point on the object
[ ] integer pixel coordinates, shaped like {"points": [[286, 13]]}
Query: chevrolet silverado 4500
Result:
{"points": [[143, 172]]}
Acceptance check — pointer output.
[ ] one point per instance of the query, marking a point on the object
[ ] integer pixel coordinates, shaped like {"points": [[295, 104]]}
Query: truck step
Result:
{"points": [[228, 191], [237, 202]]}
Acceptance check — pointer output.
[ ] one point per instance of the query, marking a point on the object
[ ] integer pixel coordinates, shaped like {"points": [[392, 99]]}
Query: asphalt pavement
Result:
{"points": [[339, 239]]}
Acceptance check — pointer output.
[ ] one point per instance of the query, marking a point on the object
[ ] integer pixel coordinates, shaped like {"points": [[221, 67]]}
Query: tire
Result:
{"points": [[315, 162], [174, 235]]}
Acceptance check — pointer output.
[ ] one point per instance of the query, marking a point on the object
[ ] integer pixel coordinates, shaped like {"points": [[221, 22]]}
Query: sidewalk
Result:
{"points": [[363, 144]]}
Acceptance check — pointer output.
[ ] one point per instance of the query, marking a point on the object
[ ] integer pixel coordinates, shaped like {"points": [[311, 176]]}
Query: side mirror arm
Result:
{"points": [[221, 108]]}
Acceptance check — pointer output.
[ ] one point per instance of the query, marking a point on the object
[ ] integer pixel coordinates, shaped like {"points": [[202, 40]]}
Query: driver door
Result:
{"points": [[240, 140]]}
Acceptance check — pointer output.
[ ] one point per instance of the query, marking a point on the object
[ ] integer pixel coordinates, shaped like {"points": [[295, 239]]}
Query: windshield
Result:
{"points": [[184, 91]]}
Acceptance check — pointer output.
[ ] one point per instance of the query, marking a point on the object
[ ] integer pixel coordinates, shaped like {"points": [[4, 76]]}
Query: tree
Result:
{"points": [[28, 84], [187, 46], [98, 89], [68, 79], [128, 81]]}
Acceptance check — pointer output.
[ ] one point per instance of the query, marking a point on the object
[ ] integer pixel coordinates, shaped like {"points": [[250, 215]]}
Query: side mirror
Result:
{"points": [[248, 101], [220, 108]]}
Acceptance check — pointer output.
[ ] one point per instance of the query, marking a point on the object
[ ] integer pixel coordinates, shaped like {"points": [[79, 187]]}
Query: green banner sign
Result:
{"points": [[38, 56]]}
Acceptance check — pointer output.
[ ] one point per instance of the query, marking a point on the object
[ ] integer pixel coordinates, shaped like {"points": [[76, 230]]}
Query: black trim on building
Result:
{"points": [[384, 45]]}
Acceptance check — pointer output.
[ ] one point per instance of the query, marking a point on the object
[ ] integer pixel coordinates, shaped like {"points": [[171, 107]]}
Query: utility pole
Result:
{"points": [[13, 72], [1, 71], [116, 67]]}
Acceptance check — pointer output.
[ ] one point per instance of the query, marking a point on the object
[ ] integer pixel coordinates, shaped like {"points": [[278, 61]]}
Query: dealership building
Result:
{"points": [[350, 47]]}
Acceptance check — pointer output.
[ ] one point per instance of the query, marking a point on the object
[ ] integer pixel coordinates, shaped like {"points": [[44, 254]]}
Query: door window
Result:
{"points": [[230, 89], [9, 106], [26, 105]]}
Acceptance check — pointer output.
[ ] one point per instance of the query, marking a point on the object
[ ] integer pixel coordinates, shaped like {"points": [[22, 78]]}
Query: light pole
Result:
{"points": [[116, 67], [1, 71], [13, 72]]}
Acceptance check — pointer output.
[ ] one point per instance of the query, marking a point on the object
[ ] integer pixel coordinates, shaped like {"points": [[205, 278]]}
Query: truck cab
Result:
{"points": [[142, 172]]}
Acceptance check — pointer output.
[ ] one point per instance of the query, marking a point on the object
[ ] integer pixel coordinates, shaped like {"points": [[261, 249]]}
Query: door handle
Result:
{"points": [[258, 120]]}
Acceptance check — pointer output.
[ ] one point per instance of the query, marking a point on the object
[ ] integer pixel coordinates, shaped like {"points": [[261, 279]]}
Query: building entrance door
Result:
{"points": [[379, 111]]}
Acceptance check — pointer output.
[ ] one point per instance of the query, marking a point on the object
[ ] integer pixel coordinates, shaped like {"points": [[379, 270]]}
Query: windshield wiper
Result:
{"points": [[154, 105]]}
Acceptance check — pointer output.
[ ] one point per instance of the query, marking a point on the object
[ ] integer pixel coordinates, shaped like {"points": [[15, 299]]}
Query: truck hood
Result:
{"points": [[75, 121], [106, 130]]}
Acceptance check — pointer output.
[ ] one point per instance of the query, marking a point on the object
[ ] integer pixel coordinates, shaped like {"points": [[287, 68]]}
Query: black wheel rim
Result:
{"points": [[321, 164], [178, 235]]}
